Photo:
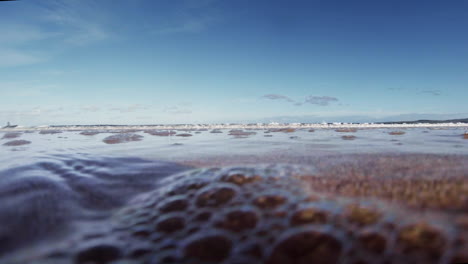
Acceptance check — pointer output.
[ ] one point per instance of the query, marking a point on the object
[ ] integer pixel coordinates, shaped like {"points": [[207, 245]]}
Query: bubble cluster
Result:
{"points": [[265, 214]]}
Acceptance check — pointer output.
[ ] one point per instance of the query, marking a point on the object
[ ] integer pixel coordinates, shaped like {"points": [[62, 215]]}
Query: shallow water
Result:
{"points": [[55, 185], [205, 144]]}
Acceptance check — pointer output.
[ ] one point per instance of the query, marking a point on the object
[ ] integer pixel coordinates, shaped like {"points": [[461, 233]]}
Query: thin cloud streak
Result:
{"points": [[320, 100], [12, 37], [18, 34], [76, 22], [432, 92], [278, 97], [14, 57], [311, 99], [129, 108], [81, 20]]}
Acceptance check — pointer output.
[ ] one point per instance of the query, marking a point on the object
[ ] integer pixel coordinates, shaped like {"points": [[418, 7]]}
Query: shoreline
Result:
{"points": [[236, 126]]}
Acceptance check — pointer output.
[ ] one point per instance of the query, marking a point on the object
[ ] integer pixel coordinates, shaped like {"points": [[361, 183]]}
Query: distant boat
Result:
{"points": [[9, 126]]}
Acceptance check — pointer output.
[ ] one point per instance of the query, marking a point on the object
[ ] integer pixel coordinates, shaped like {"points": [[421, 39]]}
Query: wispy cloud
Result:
{"points": [[320, 100], [278, 97], [130, 108], [432, 92], [18, 34], [54, 22], [13, 57], [13, 38], [315, 100], [81, 22]]}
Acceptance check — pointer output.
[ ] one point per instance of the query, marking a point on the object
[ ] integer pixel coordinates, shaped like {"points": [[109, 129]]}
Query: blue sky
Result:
{"points": [[205, 61]]}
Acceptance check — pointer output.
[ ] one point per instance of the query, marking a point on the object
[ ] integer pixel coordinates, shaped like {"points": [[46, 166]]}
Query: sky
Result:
{"points": [[65, 62]]}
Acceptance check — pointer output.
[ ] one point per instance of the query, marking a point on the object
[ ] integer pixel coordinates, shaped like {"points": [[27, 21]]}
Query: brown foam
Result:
{"points": [[396, 133], [270, 214], [284, 130], [346, 130]]}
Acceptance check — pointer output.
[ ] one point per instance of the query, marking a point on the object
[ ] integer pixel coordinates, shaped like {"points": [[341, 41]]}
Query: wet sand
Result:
{"points": [[420, 181]]}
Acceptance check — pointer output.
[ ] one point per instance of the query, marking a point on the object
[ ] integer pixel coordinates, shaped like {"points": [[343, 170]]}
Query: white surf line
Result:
{"points": [[259, 126]]}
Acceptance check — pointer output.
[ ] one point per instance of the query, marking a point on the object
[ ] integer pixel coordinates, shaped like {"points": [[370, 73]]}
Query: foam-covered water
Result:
{"points": [[164, 145], [63, 192]]}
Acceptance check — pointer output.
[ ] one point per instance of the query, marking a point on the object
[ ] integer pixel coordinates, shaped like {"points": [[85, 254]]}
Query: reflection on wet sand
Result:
{"points": [[89, 133], [11, 135], [184, 135], [346, 130], [49, 132], [17, 143], [216, 131], [164, 133], [241, 134], [122, 138]]}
